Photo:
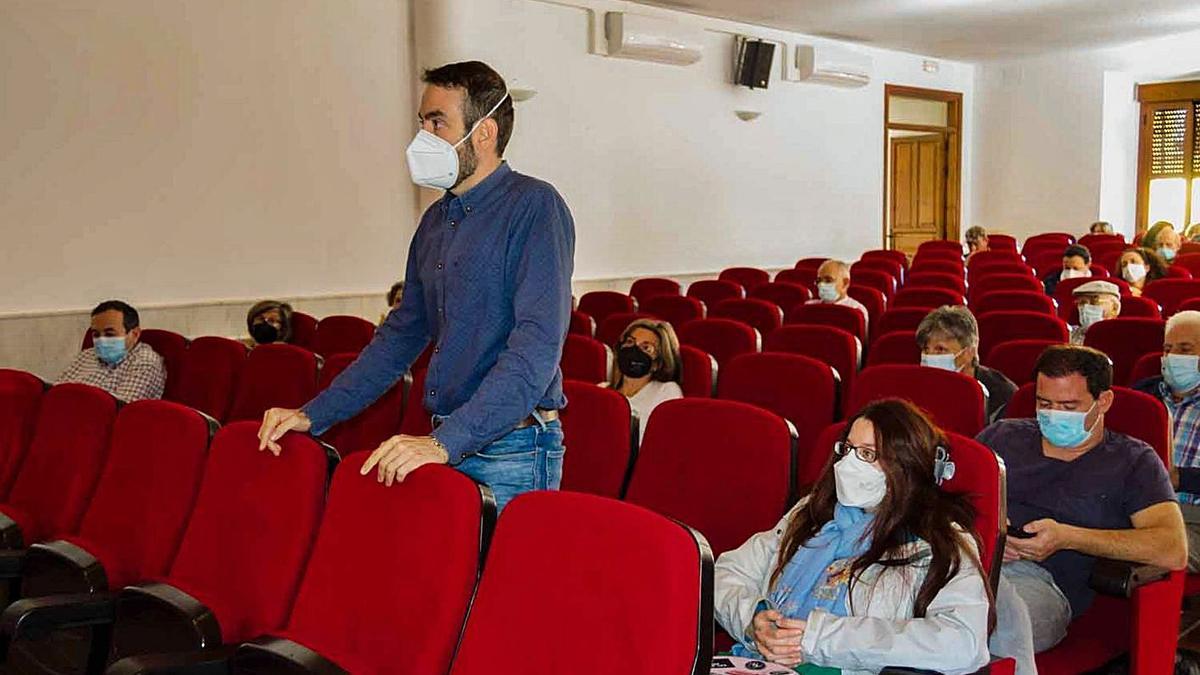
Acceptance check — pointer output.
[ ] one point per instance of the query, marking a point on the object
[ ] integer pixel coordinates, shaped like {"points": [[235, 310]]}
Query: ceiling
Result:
{"points": [[962, 29]]}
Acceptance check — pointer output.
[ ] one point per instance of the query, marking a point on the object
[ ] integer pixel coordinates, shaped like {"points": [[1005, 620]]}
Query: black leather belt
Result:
{"points": [[545, 417]]}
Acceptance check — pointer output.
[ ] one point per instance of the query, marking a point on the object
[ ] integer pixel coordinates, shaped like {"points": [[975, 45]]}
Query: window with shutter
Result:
{"points": [[1169, 163]]}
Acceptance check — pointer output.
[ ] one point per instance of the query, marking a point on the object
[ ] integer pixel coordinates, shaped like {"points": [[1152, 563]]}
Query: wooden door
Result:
{"points": [[918, 189]]}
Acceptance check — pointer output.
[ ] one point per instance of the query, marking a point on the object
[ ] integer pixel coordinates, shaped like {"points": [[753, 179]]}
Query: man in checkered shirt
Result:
{"points": [[1178, 387], [118, 363]]}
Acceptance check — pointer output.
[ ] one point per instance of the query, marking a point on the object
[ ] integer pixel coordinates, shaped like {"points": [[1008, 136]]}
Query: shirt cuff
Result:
{"points": [[1189, 480], [318, 416], [457, 440]]}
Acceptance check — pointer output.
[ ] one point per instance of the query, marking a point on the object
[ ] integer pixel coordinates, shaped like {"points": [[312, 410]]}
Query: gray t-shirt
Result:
{"points": [[1100, 490]]}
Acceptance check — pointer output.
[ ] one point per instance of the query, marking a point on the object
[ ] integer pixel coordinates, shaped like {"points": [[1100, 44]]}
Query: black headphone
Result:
{"points": [[943, 466]]}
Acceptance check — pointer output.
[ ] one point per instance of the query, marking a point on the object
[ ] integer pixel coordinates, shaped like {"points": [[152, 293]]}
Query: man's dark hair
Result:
{"points": [[1065, 360], [130, 319], [483, 87], [1078, 250]]}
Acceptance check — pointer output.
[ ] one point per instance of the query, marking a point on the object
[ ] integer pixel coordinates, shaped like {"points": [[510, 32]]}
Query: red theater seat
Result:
{"points": [[761, 315], [827, 344], [872, 276], [1014, 301], [601, 430], [582, 324], [806, 277], [927, 298], [781, 293], [611, 568], [586, 359], [1138, 308], [940, 245], [712, 291], [889, 267], [615, 324], [849, 319], [954, 267], [952, 400], [1148, 365], [1016, 358], [416, 420], [694, 449], [1091, 240], [903, 319], [1125, 341], [1061, 240], [304, 331], [600, 304], [1002, 242], [697, 372], [812, 263], [873, 300], [942, 280], [384, 605], [749, 278], [172, 347], [898, 347], [676, 310], [209, 375], [343, 334], [644, 289], [990, 283], [1170, 293], [274, 376], [723, 338], [886, 254], [20, 398], [999, 327], [375, 424]]}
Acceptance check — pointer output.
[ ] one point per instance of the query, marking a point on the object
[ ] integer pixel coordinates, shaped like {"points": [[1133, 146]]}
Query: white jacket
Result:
{"points": [[952, 638]]}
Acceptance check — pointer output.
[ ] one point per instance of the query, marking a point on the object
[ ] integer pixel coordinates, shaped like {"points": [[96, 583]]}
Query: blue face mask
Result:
{"points": [[1181, 371], [1090, 314], [1166, 253], [827, 291], [941, 361], [110, 350], [1064, 428]]}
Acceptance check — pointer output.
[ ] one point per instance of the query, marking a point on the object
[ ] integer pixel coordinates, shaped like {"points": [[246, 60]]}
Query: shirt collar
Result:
{"points": [[476, 196], [1168, 397]]}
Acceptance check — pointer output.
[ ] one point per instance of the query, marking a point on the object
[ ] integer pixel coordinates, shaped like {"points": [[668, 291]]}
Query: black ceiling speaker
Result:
{"points": [[754, 63]]}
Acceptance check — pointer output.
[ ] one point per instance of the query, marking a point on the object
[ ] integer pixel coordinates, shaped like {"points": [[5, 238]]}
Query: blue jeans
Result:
{"points": [[524, 460]]}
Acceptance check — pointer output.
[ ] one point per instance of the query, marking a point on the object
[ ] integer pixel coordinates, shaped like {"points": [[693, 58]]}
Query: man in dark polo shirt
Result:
{"points": [[1080, 492]]}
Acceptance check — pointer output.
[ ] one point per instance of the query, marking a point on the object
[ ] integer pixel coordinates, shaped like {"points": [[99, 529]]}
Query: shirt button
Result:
{"points": [[433, 392], [439, 266], [453, 223], [437, 350], [468, 209]]}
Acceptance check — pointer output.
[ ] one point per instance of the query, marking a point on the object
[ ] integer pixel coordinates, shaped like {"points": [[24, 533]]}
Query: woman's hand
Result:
{"points": [[777, 638]]}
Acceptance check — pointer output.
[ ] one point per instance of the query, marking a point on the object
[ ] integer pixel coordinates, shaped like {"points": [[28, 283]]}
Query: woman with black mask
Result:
{"points": [[647, 367], [269, 321]]}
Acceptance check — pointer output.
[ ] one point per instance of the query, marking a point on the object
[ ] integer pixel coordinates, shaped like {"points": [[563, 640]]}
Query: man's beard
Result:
{"points": [[468, 161]]}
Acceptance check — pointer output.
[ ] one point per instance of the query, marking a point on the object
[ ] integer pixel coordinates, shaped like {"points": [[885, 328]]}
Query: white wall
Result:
{"points": [[659, 173], [1057, 134], [174, 151]]}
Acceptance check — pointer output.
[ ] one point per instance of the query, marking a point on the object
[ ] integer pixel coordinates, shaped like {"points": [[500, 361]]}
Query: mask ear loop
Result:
{"points": [[481, 119]]}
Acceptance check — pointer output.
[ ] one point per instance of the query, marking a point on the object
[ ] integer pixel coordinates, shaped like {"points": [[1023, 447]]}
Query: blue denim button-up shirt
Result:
{"points": [[489, 282]]}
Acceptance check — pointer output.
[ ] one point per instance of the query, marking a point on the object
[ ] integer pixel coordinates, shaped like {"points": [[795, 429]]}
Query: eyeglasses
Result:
{"points": [[649, 347], [843, 448]]}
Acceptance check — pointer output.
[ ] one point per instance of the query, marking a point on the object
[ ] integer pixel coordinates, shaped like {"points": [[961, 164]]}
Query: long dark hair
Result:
{"points": [[914, 507]]}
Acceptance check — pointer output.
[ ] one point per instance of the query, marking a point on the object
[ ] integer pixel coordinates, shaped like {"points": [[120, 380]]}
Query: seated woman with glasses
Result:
{"points": [[647, 367], [877, 567]]}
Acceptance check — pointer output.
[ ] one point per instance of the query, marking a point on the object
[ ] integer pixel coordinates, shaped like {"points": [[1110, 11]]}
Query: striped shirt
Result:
{"points": [[1185, 417], [140, 375]]}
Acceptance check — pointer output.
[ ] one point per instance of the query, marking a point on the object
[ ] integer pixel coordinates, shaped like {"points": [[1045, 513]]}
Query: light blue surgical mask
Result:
{"points": [[1166, 253], [1181, 371], [1065, 428], [1090, 314], [942, 361], [827, 291], [110, 350]]}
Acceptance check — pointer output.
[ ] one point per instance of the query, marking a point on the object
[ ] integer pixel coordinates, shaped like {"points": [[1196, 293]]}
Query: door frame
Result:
{"points": [[953, 133]]}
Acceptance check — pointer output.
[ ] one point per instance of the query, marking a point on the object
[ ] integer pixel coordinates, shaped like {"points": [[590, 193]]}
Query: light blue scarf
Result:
{"points": [[818, 575]]}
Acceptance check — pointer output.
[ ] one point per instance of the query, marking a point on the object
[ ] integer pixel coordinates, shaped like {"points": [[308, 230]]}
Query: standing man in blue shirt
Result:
{"points": [[489, 283]]}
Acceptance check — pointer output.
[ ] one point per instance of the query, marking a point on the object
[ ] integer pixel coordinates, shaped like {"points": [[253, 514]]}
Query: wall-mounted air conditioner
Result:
{"points": [[649, 39], [836, 66]]}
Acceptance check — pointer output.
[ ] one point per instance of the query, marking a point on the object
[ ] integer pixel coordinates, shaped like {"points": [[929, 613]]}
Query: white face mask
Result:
{"points": [[1134, 272], [1075, 274], [942, 361], [1090, 314], [858, 483], [433, 161], [828, 292]]}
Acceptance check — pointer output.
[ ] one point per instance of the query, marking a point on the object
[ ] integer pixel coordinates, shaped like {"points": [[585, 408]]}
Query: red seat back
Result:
{"points": [[644, 289], [600, 429], [361, 591], [1148, 365], [872, 276], [375, 424], [209, 375], [712, 291], [998, 327], [1007, 266], [614, 325], [761, 315], [1002, 242], [849, 319], [723, 338], [694, 449], [1133, 413], [1064, 293], [940, 245], [1136, 307], [946, 281], [800, 277], [582, 324], [952, 266], [343, 334], [782, 293], [155, 463], [275, 375], [172, 347], [20, 397], [697, 372], [897, 347], [1188, 261], [1017, 358], [1170, 293], [990, 283], [812, 263], [902, 319], [1014, 301], [886, 254], [982, 258], [304, 331], [1090, 240], [637, 586], [1061, 240], [586, 359], [416, 420], [600, 304], [927, 298], [873, 300], [251, 530], [749, 278], [1125, 341], [800, 389], [676, 310], [64, 460], [827, 344], [952, 400], [890, 267]]}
